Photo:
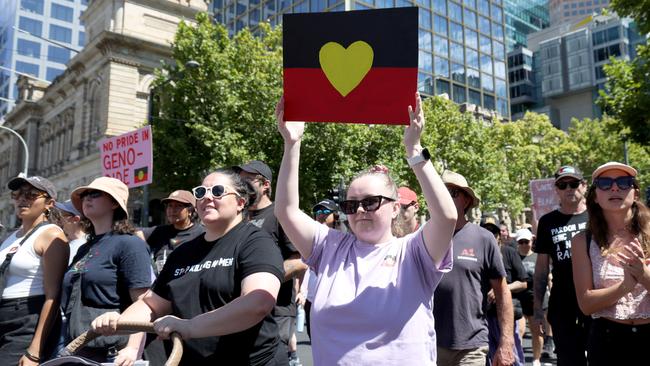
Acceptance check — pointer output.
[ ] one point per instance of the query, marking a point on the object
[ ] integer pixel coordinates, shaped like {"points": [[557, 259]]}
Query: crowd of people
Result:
{"points": [[236, 261]]}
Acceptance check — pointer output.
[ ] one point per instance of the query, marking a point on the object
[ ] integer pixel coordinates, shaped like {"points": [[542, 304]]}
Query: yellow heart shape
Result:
{"points": [[345, 68]]}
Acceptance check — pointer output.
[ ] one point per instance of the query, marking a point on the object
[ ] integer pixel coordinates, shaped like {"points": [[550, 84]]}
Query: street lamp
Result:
{"points": [[191, 64], [24, 173], [625, 156]]}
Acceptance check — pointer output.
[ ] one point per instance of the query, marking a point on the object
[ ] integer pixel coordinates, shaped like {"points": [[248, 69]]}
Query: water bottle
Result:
{"points": [[300, 319]]}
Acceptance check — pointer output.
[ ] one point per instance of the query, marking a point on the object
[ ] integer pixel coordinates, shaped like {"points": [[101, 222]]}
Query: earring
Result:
{"points": [[47, 213]]}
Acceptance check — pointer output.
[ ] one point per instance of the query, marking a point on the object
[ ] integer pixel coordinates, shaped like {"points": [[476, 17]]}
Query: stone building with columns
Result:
{"points": [[103, 92]]}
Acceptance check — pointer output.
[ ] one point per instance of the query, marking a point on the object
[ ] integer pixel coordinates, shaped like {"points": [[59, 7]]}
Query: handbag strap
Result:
{"points": [[4, 267]]}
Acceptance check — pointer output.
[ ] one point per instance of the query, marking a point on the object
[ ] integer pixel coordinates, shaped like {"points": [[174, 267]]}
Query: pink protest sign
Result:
{"points": [[542, 193], [128, 157]]}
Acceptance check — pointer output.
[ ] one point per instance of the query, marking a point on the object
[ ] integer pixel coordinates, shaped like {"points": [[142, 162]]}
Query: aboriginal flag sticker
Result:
{"points": [[356, 66]]}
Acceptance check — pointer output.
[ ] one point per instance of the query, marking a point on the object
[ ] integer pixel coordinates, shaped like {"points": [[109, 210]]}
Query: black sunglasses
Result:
{"points": [[563, 185], [29, 195], [369, 204], [606, 183], [217, 191]]}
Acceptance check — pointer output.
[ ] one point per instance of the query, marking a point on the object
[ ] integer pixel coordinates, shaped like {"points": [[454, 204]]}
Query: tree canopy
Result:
{"points": [[222, 114]]}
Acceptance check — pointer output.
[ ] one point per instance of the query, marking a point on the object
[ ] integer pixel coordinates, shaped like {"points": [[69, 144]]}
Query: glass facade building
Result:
{"points": [[524, 17], [25, 27], [462, 49]]}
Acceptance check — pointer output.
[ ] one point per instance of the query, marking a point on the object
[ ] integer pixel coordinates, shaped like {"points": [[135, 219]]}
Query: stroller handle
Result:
{"points": [[129, 327]]}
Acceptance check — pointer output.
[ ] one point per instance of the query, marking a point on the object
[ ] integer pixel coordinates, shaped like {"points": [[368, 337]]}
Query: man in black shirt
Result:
{"points": [[261, 215], [554, 233], [180, 212]]}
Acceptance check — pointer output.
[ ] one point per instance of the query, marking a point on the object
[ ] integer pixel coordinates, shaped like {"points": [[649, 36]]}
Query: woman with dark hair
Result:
{"points": [[33, 259], [610, 267], [109, 272], [219, 287], [374, 297]]}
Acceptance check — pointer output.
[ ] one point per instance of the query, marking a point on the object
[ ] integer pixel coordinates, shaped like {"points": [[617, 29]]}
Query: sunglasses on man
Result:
{"points": [[564, 184], [217, 191], [623, 183], [369, 204], [29, 195]]}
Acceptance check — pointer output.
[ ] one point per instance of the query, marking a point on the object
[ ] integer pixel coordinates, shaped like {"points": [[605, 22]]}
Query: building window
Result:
{"points": [[471, 38], [472, 58], [457, 52], [499, 50], [473, 78], [456, 32], [484, 25], [60, 34], [82, 39], [470, 3], [32, 6], [425, 18], [455, 12], [27, 68], [441, 46], [497, 13], [425, 83], [58, 54], [440, 25], [442, 87], [500, 69], [485, 44], [425, 40], [52, 73], [425, 62], [470, 18], [605, 53], [458, 73], [441, 67], [488, 102], [32, 26], [474, 97], [488, 82], [600, 72], [440, 6], [61, 12], [497, 31], [484, 7], [502, 107], [29, 48], [459, 94], [501, 88], [320, 5]]}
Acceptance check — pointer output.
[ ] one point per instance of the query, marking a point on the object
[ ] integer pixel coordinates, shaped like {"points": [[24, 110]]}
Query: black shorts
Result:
{"points": [[612, 343], [527, 305], [286, 327]]}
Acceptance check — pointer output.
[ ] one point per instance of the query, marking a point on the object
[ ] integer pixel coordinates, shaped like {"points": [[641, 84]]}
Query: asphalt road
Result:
{"points": [[304, 350]]}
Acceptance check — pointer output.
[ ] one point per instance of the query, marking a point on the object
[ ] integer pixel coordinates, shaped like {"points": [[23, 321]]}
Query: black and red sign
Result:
{"points": [[357, 67]]}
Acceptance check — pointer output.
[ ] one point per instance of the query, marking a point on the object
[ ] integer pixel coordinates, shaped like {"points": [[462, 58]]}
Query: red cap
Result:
{"points": [[406, 195]]}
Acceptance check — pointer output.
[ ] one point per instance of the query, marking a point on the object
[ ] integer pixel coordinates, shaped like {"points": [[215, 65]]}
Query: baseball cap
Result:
{"points": [[406, 195], [181, 196], [568, 171], [326, 203], [523, 234], [611, 166], [68, 207], [256, 167], [37, 182]]}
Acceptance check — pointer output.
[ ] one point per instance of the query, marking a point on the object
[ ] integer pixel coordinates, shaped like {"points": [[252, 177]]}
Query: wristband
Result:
{"points": [[31, 357], [424, 156]]}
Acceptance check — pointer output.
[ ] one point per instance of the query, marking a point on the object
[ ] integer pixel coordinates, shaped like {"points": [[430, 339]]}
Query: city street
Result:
{"points": [[304, 350]]}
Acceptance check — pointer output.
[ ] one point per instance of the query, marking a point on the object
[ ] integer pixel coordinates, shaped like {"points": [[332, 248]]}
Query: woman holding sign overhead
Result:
{"points": [[374, 299]]}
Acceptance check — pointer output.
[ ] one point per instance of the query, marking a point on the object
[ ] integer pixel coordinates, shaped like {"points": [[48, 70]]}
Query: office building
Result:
{"points": [[462, 42], [567, 67], [524, 17], [37, 37], [563, 11]]}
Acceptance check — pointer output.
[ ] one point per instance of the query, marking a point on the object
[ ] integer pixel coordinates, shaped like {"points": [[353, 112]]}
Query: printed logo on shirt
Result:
{"points": [[258, 222], [468, 254], [389, 260], [563, 235], [221, 262]]}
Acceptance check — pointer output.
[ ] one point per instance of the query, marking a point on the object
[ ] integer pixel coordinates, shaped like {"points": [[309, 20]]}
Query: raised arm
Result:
{"points": [[439, 230], [298, 226], [590, 300]]}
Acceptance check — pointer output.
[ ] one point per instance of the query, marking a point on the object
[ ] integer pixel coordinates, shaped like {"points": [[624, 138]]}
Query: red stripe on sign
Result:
{"points": [[382, 97]]}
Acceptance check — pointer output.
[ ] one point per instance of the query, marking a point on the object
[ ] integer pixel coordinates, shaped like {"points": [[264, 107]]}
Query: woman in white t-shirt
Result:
{"points": [[30, 285], [374, 294]]}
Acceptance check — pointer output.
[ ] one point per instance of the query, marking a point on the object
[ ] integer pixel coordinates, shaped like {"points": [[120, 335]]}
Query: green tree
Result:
{"points": [[627, 93]]}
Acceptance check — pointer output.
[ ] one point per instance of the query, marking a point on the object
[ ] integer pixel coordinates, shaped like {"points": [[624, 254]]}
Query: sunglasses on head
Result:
{"points": [[91, 194], [606, 183], [217, 191], [369, 204], [322, 212], [563, 185], [29, 195]]}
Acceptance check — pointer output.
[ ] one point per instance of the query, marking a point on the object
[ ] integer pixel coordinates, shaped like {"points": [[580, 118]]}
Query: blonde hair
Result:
{"points": [[382, 172]]}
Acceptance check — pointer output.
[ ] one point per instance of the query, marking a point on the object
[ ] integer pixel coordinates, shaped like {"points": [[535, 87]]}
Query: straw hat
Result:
{"points": [[111, 186]]}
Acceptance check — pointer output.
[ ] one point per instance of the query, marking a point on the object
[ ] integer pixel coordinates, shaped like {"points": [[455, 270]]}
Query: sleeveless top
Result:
{"points": [[606, 273], [25, 273]]}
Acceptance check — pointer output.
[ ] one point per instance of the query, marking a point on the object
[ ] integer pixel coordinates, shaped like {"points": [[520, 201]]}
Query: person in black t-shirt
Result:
{"points": [[261, 215], [181, 214], [111, 270], [218, 289], [555, 232]]}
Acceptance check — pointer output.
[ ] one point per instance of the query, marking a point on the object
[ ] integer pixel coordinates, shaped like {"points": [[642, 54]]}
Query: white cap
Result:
{"points": [[523, 234]]}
